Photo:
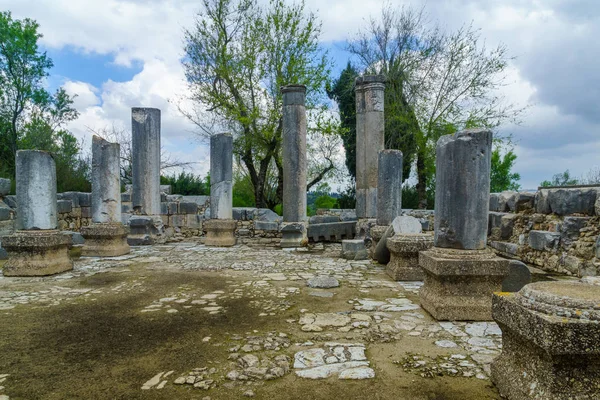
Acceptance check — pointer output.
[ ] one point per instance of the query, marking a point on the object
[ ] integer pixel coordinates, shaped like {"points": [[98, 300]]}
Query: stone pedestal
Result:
{"points": [[220, 232], [37, 253], [370, 127], [354, 250], [293, 234], [146, 230], [550, 342], [404, 256], [105, 240], [458, 284]]}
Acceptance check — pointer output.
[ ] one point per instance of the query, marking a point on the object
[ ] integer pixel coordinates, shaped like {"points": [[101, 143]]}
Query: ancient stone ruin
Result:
{"points": [[188, 294]]}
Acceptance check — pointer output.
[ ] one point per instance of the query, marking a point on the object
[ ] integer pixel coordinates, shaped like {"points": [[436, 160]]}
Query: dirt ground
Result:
{"points": [[106, 329]]}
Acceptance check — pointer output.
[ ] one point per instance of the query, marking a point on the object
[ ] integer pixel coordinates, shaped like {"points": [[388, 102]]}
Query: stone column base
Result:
{"points": [[105, 240], [37, 253], [293, 235], [458, 284], [404, 256], [550, 342], [220, 232], [146, 230]]}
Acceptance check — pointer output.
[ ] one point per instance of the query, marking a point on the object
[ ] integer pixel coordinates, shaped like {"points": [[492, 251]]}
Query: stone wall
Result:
{"points": [[555, 229]]}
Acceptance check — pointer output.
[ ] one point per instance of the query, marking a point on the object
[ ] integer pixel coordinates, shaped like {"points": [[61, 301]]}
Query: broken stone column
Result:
{"points": [[37, 248], [146, 226], [460, 272], [220, 229], [106, 236], [370, 126], [294, 166], [389, 186], [550, 341]]}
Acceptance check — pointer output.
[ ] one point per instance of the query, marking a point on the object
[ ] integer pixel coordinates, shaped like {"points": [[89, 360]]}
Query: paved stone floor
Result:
{"points": [[183, 321]]}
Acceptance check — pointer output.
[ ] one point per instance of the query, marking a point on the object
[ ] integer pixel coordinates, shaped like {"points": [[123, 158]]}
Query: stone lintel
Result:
{"points": [[220, 232], [37, 253]]}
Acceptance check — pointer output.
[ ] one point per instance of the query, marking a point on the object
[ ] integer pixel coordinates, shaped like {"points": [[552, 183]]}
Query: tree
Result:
{"points": [[23, 98], [237, 57], [561, 179], [187, 183], [439, 81], [502, 177]]}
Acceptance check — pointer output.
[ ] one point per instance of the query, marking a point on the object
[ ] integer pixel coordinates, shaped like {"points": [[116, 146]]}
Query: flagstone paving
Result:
{"points": [[186, 321]]}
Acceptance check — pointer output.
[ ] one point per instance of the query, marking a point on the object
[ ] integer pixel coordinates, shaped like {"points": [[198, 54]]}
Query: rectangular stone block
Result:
{"points": [[126, 207], [73, 196], [7, 227], [5, 212], [11, 201], [544, 240], [85, 199], [177, 220], [125, 197], [86, 212], [64, 206], [266, 226], [188, 207], [4, 186], [166, 189], [194, 221]]}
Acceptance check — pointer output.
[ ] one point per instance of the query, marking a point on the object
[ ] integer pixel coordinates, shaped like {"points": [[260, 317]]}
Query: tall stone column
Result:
{"points": [[145, 151], [294, 166], [106, 236], [220, 229], [370, 126], [37, 248], [460, 273], [146, 226], [389, 186]]}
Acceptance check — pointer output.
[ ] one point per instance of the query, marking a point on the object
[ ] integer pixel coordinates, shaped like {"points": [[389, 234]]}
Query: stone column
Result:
{"points": [[37, 248], [145, 151], [389, 186], [220, 229], [550, 341], [106, 236], [146, 226], [294, 166], [370, 127], [460, 273]]}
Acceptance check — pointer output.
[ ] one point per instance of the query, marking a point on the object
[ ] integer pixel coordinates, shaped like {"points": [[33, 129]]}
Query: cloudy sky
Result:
{"points": [[116, 54]]}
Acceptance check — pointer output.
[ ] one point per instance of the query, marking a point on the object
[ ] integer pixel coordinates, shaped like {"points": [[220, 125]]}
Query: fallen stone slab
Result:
{"points": [[323, 282]]}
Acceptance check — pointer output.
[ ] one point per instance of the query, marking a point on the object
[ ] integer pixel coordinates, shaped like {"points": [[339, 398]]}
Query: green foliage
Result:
{"points": [[502, 177], [187, 184], [278, 209], [347, 199], [326, 202], [561, 179], [410, 197], [237, 57], [30, 117], [243, 192]]}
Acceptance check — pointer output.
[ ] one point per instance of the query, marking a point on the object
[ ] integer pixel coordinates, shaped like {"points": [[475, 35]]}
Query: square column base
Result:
{"points": [[458, 284], [146, 230], [220, 232], [293, 234], [37, 253], [404, 256], [105, 240], [545, 356]]}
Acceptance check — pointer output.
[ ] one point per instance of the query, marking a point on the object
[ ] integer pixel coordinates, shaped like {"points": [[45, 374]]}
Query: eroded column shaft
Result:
{"points": [[145, 148]]}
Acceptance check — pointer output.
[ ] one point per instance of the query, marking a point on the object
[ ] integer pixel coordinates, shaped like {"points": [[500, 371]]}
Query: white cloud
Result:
{"points": [[555, 71]]}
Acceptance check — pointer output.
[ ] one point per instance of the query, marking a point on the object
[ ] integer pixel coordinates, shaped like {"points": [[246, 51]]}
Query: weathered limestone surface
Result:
{"points": [[404, 255], [389, 186], [145, 145], [400, 225], [221, 176], [36, 190], [37, 248], [294, 165], [106, 236], [354, 249], [463, 172], [294, 153], [219, 232], [460, 273], [518, 276], [369, 141], [4, 186], [550, 342]]}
